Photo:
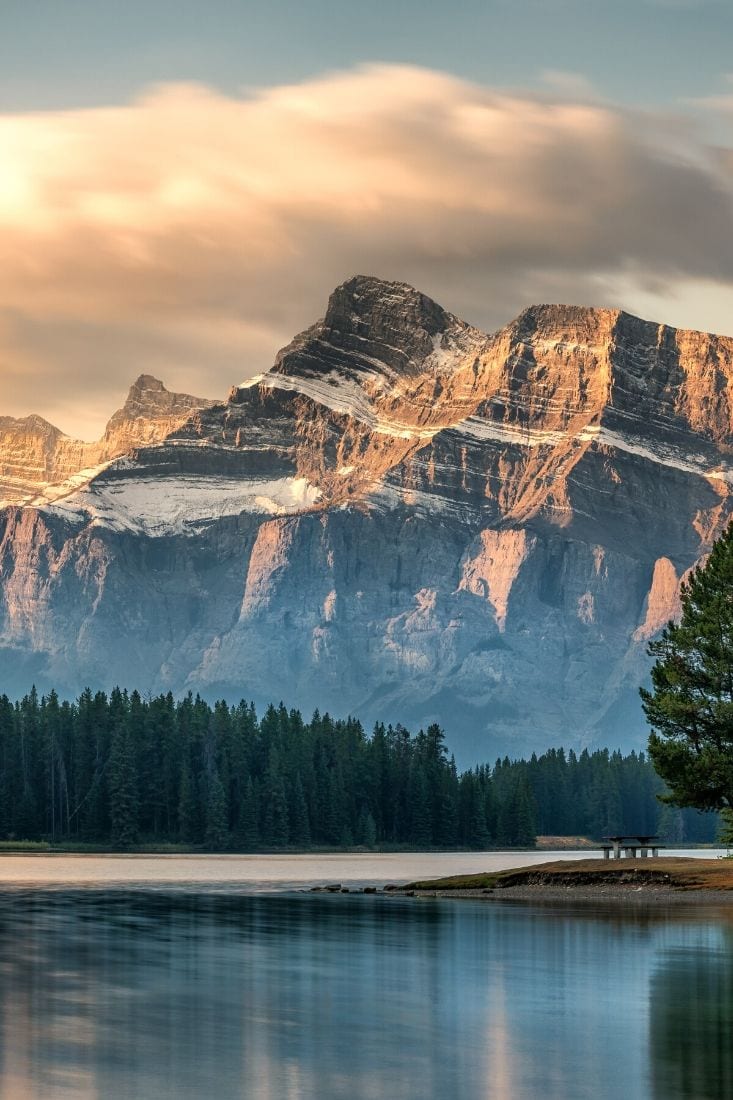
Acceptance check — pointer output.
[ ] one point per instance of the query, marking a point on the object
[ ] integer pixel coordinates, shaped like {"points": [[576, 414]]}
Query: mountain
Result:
{"points": [[39, 463], [404, 518]]}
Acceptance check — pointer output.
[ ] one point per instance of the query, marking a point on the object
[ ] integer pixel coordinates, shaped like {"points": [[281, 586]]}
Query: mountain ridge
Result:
{"points": [[532, 317], [404, 517], [31, 445]]}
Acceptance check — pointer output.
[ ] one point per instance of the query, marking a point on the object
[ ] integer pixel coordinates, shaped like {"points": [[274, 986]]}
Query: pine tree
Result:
{"points": [[474, 833], [421, 829], [123, 794], [690, 708], [186, 804], [247, 830], [276, 830], [526, 815], [334, 818], [366, 832], [216, 836], [300, 830], [446, 808]]}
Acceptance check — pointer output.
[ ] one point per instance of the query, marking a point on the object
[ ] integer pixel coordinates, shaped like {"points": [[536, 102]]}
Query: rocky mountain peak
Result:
{"points": [[372, 325], [39, 463], [144, 384], [31, 424], [365, 301], [565, 320], [148, 398]]}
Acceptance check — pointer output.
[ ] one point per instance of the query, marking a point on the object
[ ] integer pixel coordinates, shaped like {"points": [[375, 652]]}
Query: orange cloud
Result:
{"points": [[190, 234]]}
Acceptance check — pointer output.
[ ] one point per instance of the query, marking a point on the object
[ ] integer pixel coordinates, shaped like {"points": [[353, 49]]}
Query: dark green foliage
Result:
{"points": [[367, 830], [121, 770], [123, 787], [276, 826], [216, 835], [690, 708], [299, 820], [725, 833], [247, 833], [517, 820], [186, 804]]}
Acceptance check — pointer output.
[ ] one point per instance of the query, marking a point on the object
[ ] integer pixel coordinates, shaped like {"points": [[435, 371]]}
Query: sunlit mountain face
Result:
{"points": [[404, 518]]}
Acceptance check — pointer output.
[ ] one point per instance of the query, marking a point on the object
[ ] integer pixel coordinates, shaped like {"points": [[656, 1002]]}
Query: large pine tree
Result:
{"points": [[690, 708]]}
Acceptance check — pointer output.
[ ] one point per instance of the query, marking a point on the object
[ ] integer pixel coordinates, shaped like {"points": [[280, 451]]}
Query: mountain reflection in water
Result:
{"points": [[156, 995]]}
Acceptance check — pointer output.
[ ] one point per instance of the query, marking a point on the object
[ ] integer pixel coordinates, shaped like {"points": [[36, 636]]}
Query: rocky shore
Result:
{"points": [[663, 880]]}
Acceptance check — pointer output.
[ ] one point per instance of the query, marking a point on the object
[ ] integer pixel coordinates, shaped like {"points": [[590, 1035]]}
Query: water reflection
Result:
{"points": [[691, 1016], [153, 995]]}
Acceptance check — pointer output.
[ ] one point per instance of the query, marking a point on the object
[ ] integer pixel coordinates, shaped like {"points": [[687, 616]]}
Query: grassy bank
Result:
{"points": [[665, 871]]}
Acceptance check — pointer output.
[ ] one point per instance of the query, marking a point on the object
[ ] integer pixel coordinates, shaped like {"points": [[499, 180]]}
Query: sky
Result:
{"points": [[182, 184]]}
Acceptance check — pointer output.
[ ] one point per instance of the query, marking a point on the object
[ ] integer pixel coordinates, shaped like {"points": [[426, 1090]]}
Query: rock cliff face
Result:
{"points": [[39, 463], [404, 518]]}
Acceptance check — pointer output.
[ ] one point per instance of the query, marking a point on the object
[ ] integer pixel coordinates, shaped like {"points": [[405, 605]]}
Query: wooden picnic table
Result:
{"points": [[631, 843]]}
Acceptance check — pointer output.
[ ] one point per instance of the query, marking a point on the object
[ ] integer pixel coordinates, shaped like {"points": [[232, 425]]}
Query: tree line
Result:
{"points": [[122, 770]]}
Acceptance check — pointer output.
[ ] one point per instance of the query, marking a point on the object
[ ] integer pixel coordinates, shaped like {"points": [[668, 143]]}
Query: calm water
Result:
{"points": [[260, 873], [192, 987]]}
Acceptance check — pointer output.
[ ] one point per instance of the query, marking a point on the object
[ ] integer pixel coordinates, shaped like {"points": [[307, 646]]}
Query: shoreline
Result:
{"points": [[661, 880], [594, 895]]}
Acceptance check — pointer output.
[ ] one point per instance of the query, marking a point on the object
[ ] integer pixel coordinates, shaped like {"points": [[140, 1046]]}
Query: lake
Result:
{"points": [[183, 977]]}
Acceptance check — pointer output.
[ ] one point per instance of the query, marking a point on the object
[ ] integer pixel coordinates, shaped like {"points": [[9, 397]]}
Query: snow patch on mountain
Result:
{"points": [[179, 505], [347, 397], [662, 454]]}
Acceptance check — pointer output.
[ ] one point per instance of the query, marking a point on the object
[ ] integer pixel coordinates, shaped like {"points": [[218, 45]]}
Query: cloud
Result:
{"points": [[190, 234], [722, 102]]}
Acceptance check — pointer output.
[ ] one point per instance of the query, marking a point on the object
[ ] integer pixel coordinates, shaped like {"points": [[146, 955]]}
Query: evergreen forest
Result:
{"points": [[120, 770]]}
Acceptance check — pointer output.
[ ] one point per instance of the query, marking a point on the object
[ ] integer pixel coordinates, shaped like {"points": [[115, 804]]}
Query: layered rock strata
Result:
{"points": [[39, 463], [404, 518]]}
